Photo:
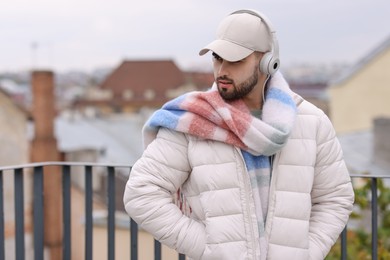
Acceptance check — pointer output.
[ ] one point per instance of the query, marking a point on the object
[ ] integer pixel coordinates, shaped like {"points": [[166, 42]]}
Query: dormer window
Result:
{"points": [[127, 94], [149, 94]]}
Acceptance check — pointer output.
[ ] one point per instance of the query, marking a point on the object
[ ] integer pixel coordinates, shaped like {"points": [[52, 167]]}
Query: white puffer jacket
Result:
{"points": [[310, 200]]}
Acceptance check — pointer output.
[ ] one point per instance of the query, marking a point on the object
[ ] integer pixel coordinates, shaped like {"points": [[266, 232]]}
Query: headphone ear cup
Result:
{"points": [[264, 62], [273, 66], [268, 64]]}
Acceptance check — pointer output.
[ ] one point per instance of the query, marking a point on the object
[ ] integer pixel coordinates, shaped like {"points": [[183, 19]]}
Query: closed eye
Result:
{"points": [[217, 57]]}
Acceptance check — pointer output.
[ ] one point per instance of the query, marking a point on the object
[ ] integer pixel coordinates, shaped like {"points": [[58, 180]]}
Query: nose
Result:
{"points": [[223, 68]]}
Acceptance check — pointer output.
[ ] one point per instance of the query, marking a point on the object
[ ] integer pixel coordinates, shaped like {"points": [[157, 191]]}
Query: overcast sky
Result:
{"points": [[88, 34]]}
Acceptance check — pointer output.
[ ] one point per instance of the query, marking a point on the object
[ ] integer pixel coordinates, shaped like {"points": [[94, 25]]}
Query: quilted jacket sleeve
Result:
{"points": [[157, 175], [332, 193]]}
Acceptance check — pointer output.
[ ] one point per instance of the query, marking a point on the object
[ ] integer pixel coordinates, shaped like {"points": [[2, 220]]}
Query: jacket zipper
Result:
{"points": [[271, 163], [248, 186], [274, 158]]}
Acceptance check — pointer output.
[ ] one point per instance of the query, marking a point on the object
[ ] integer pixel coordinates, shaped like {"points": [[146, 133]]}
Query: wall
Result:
{"points": [[14, 151], [364, 96], [13, 133]]}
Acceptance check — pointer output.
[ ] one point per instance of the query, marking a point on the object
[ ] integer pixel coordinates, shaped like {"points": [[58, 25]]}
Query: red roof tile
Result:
{"points": [[142, 75]]}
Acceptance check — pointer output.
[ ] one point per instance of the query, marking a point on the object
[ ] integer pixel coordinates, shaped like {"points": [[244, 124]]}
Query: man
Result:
{"points": [[258, 167]]}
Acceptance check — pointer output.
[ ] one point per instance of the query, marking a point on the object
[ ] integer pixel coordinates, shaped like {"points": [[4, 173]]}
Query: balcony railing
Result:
{"points": [[110, 174]]}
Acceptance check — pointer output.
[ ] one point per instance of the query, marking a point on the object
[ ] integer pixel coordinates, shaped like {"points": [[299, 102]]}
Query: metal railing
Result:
{"points": [[111, 172], [374, 216], [38, 218]]}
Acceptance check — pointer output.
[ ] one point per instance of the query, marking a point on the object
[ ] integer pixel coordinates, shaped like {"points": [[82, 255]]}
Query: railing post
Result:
{"points": [[133, 240], [88, 213], [19, 214], [344, 244], [66, 211], [38, 213], [157, 250], [374, 218], [2, 241], [111, 213]]}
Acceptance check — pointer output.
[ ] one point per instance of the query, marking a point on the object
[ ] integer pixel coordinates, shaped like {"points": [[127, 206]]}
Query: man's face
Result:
{"points": [[236, 80]]}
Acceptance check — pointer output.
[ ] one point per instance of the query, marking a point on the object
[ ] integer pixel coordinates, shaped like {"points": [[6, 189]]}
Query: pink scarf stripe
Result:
{"points": [[209, 116]]}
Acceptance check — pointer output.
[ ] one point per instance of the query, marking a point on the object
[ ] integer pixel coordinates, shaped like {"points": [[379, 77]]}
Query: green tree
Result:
{"points": [[359, 240]]}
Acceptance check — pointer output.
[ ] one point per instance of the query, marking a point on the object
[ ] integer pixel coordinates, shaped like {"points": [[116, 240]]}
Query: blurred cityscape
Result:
{"points": [[73, 85], [120, 98], [97, 117], [116, 97]]}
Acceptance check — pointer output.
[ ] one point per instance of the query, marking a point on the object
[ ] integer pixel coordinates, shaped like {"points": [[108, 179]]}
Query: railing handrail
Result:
{"points": [[60, 163], [369, 176], [120, 165]]}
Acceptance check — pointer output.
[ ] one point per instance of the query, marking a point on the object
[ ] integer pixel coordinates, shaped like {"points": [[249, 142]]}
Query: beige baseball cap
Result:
{"points": [[239, 35]]}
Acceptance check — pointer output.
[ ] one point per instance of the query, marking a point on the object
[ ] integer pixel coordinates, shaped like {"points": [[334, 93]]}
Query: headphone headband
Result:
{"points": [[270, 62]]}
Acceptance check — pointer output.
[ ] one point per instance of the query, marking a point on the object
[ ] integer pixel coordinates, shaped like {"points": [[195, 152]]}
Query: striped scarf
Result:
{"points": [[209, 116]]}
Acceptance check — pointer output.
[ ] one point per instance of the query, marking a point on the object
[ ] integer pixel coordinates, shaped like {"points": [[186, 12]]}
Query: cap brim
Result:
{"points": [[227, 50]]}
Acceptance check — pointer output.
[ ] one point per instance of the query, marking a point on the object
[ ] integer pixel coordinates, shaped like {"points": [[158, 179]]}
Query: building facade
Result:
{"points": [[362, 93]]}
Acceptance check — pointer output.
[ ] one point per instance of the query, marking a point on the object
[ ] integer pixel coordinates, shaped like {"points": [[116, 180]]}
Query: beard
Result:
{"points": [[241, 90]]}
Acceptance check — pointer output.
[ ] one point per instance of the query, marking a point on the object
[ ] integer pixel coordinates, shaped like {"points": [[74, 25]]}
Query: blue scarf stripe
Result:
{"points": [[255, 162], [165, 118], [281, 96]]}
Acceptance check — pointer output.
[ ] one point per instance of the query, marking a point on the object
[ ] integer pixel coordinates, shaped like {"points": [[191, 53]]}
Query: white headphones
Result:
{"points": [[270, 62]]}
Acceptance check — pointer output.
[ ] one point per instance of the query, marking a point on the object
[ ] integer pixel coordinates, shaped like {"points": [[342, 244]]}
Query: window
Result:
{"points": [[149, 94]]}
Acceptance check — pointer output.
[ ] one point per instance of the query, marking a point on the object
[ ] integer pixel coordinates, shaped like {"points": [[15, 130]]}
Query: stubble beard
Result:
{"points": [[241, 90]]}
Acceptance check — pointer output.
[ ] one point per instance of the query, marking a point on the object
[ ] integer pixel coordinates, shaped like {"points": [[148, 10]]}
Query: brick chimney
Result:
{"points": [[43, 149], [382, 141]]}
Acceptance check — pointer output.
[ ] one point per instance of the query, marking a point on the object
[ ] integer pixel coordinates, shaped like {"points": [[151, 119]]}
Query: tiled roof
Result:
{"points": [[358, 153], [142, 75], [385, 45], [119, 137], [18, 106], [309, 90]]}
